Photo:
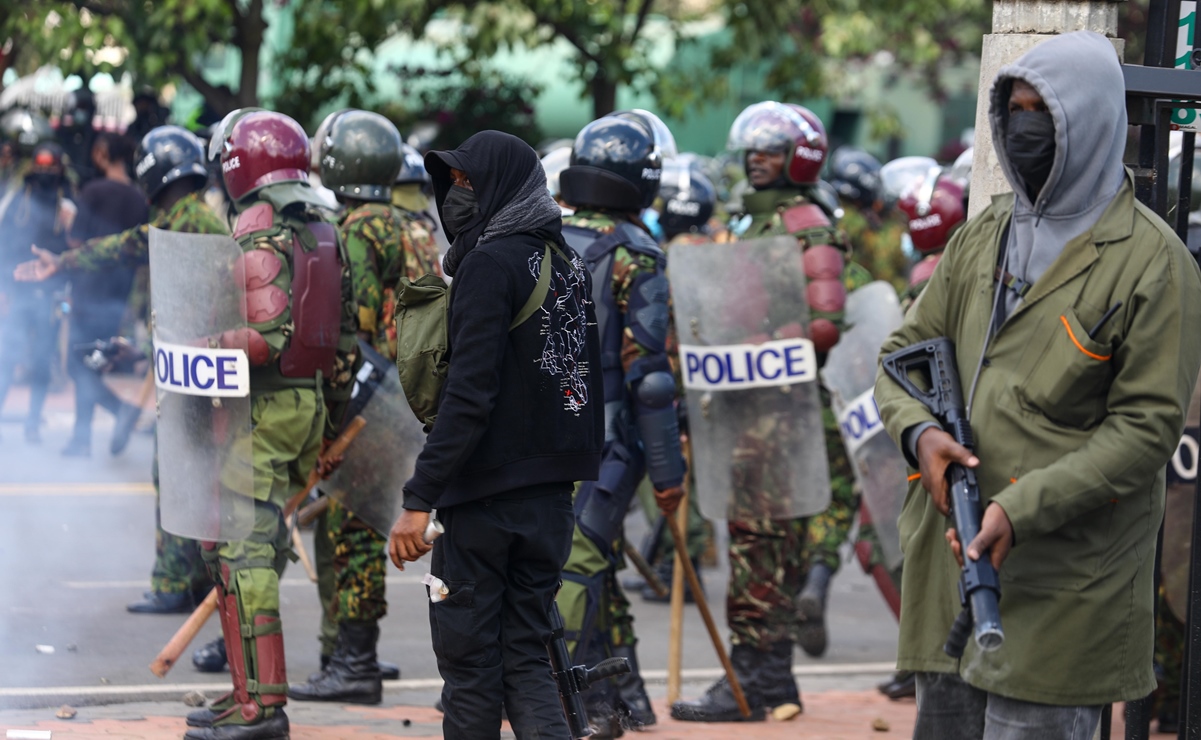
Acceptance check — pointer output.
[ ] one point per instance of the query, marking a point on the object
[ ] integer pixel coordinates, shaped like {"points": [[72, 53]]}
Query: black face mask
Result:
{"points": [[1030, 144], [459, 208]]}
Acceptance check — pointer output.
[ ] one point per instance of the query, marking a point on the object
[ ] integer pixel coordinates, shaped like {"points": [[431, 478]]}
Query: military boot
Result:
{"points": [[718, 704], [811, 610], [776, 682], [353, 675], [255, 661], [632, 692], [210, 658]]}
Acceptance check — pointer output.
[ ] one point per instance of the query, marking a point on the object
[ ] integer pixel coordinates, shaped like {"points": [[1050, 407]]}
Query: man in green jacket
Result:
{"points": [[1072, 309]]}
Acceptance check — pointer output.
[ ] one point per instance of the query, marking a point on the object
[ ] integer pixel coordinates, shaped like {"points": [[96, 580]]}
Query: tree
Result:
{"points": [[607, 37], [164, 41]]}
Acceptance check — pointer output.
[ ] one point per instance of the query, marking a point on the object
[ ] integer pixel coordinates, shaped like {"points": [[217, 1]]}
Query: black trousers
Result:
{"points": [[500, 559], [90, 389], [27, 338]]}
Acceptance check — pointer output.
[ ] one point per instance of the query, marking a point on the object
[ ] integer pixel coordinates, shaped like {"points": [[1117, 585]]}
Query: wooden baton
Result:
{"points": [[174, 648], [336, 449]]}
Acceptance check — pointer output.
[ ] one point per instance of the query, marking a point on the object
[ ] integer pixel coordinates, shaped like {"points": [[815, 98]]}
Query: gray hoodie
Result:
{"points": [[1080, 79]]}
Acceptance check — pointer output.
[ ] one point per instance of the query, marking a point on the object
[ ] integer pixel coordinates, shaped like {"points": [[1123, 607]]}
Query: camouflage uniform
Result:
{"points": [[178, 567], [876, 244], [770, 557], [383, 244], [585, 556]]}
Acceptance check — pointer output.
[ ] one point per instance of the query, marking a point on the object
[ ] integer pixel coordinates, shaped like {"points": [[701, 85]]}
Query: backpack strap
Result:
{"points": [[538, 296]]}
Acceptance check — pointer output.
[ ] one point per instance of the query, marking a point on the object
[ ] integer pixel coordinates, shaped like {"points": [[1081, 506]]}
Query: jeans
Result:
{"points": [[500, 559], [949, 709]]}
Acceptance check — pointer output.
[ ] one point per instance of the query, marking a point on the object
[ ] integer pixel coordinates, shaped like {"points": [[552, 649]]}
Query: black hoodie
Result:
{"points": [[520, 408]]}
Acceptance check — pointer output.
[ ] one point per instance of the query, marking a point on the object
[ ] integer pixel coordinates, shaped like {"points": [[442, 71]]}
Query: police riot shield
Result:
{"points": [[202, 375], [749, 372], [872, 312], [382, 458], [1178, 514]]}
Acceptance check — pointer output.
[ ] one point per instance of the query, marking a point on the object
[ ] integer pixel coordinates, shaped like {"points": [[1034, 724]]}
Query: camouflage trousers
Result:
{"points": [[830, 529], [769, 558], [178, 565], [698, 534], [352, 561]]}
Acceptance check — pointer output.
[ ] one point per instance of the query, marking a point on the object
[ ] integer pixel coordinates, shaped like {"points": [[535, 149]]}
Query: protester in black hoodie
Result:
{"points": [[521, 418]]}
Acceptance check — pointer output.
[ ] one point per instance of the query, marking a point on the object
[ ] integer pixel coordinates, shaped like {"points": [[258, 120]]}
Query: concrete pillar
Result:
{"points": [[1017, 25]]}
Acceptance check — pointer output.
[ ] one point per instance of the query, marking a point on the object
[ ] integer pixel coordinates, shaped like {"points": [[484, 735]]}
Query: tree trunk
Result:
{"points": [[604, 95], [251, 28]]}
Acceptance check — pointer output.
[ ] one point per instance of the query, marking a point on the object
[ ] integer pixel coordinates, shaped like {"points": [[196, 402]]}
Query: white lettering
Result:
{"points": [[1186, 470], [147, 162], [232, 164], [737, 366], [683, 208], [929, 222], [813, 155], [650, 173]]}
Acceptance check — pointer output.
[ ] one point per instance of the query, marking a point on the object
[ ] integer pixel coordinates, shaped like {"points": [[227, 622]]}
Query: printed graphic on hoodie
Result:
{"points": [[565, 326]]}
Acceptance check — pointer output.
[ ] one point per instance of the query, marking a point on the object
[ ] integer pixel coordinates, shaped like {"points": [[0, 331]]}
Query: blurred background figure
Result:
{"points": [[35, 215], [107, 205], [150, 114], [77, 134], [874, 234]]}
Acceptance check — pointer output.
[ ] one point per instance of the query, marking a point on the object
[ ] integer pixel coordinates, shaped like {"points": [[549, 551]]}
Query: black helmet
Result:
{"points": [[855, 174], [26, 129], [412, 168], [167, 154], [688, 198], [615, 164], [361, 155]]}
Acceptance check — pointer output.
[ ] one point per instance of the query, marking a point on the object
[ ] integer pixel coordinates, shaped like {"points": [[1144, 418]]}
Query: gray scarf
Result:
{"points": [[530, 208]]}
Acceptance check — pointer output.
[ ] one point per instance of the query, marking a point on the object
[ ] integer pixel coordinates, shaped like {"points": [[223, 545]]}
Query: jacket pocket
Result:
{"points": [[1070, 382], [1067, 558]]}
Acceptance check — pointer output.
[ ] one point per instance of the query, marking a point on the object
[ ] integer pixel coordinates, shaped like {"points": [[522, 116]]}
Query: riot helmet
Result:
{"points": [[961, 170], [855, 174], [412, 168], [786, 129], [47, 167], [664, 139], [933, 219], [615, 164], [260, 148], [688, 198], [167, 154], [26, 129], [553, 164], [360, 156]]}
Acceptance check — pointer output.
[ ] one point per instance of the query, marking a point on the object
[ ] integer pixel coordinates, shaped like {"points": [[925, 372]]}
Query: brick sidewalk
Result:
{"points": [[832, 714]]}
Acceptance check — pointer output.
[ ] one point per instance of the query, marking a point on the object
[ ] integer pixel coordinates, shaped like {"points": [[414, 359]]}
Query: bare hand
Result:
{"points": [[406, 541], [35, 271], [996, 532], [326, 465], [669, 500], [936, 450]]}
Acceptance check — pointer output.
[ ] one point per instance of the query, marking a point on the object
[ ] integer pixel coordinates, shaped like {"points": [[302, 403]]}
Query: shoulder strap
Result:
{"points": [[538, 296]]}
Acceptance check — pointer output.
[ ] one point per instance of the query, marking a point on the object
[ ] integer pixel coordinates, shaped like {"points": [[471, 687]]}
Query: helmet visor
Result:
{"points": [[770, 127], [220, 133], [910, 176]]}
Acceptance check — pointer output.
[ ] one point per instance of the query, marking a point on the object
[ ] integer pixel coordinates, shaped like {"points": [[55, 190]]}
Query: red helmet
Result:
{"points": [[934, 213], [263, 148], [777, 127]]}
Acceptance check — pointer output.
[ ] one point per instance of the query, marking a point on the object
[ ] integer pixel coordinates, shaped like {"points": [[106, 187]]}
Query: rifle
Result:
{"points": [[979, 586], [574, 680]]}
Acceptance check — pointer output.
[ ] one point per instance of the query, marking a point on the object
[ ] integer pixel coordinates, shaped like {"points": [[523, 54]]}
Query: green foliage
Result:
{"points": [[464, 100]]}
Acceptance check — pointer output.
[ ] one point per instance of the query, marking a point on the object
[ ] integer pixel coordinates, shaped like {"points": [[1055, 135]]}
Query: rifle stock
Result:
{"points": [[979, 586]]}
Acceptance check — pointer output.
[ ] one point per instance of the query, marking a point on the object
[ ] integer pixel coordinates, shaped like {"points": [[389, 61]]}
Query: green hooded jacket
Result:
{"points": [[1073, 431]]}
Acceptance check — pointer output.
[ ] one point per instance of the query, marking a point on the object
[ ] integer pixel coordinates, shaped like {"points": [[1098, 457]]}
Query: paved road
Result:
{"points": [[77, 543]]}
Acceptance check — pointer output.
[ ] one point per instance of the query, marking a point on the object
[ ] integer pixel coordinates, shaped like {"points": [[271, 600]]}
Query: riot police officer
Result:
{"points": [[874, 235], [301, 351], [784, 148], [614, 172], [361, 156]]}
